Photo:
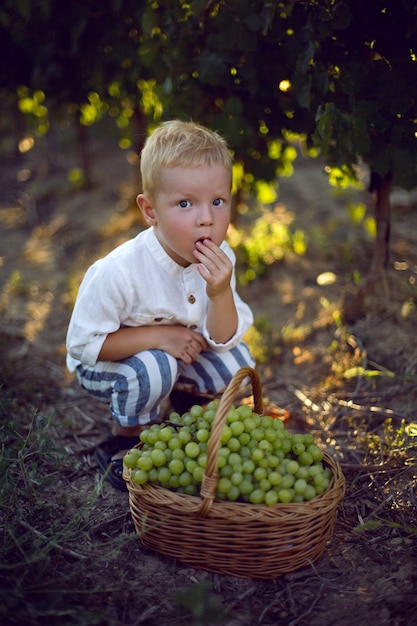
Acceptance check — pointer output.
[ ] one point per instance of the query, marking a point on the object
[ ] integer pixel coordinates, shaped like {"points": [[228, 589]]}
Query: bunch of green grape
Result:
{"points": [[259, 460]]}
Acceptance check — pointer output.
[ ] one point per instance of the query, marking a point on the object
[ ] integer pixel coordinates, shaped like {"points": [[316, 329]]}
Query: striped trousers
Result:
{"points": [[137, 387]]}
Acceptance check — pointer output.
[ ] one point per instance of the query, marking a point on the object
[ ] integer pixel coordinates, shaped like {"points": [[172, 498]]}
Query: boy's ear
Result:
{"points": [[145, 204]]}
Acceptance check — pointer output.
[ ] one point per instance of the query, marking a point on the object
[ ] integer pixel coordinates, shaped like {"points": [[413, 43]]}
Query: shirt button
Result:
{"points": [[191, 299], [193, 326], [158, 319]]}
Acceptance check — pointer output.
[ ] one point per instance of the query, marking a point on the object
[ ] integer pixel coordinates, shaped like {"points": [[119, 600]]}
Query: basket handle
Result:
{"points": [[211, 476]]}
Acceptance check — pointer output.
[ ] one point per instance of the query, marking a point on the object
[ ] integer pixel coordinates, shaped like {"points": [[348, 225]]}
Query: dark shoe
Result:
{"points": [[113, 468]]}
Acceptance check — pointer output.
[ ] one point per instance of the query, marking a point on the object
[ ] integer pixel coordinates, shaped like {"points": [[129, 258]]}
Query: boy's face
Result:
{"points": [[189, 205]]}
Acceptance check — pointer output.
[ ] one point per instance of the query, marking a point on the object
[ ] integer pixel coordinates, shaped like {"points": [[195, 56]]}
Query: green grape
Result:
{"points": [[140, 477], [315, 469], [327, 472], [196, 411], [190, 490], [164, 475], [188, 419], [257, 455], [178, 454], [244, 438], [202, 434], [176, 466], [165, 433], [202, 460], [224, 484], [303, 472], [264, 484], [298, 447], [244, 411], [184, 435], [192, 449], [234, 459], [249, 424], [315, 452], [233, 444], [298, 438], [300, 486], [174, 481], [158, 457], [226, 434], [292, 467], [259, 473], [246, 486], [270, 434], [273, 460], [226, 471], [286, 495], [145, 462], [160, 445], [245, 452], [278, 425], [233, 416], [236, 478], [144, 435], [274, 478], [190, 465], [175, 417], [257, 496], [131, 458], [198, 474], [233, 493], [287, 481], [221, 461], [185, 479], [237, 428], [319, 479], [209, 415], [266, 421], [152, 437], [305, 458], [271, 497], [248, 466], [174, 443], [309, 493], [153, 475], [308, 439], [265, 445], [257, 433]]}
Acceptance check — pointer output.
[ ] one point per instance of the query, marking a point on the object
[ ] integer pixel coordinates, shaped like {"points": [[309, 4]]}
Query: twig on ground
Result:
{"points": [[67, 551], [310, 609]]}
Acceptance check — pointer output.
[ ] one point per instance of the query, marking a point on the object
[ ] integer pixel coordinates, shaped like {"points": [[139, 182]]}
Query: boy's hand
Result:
{"points": [[181, 342], [215, 267]]}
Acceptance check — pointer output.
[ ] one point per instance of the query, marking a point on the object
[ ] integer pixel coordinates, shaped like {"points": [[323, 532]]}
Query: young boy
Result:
{"points": [[162, 308]]}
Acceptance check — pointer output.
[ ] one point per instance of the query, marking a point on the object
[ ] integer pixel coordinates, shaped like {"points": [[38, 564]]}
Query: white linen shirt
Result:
{"points": [[139, 284]]}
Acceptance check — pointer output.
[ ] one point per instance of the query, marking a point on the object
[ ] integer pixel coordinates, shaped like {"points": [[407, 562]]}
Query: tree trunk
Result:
{"points": [[382, 189]]}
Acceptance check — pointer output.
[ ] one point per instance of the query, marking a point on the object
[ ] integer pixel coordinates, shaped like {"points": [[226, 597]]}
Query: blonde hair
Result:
{"points": [[176, 143]]}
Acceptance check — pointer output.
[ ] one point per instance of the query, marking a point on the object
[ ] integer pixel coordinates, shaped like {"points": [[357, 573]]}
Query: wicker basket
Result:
{"points": [[233, 538]]}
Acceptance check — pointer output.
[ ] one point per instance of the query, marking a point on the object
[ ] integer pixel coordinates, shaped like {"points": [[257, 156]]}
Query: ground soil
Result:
{"points": [[50, 233]]}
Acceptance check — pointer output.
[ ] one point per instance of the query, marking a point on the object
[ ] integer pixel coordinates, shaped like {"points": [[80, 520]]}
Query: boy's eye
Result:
{"points": [[184, 204], [217, 202]]}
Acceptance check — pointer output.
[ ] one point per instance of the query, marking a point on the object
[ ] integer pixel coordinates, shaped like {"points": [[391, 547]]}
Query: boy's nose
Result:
{"points": [[205, 216]]}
